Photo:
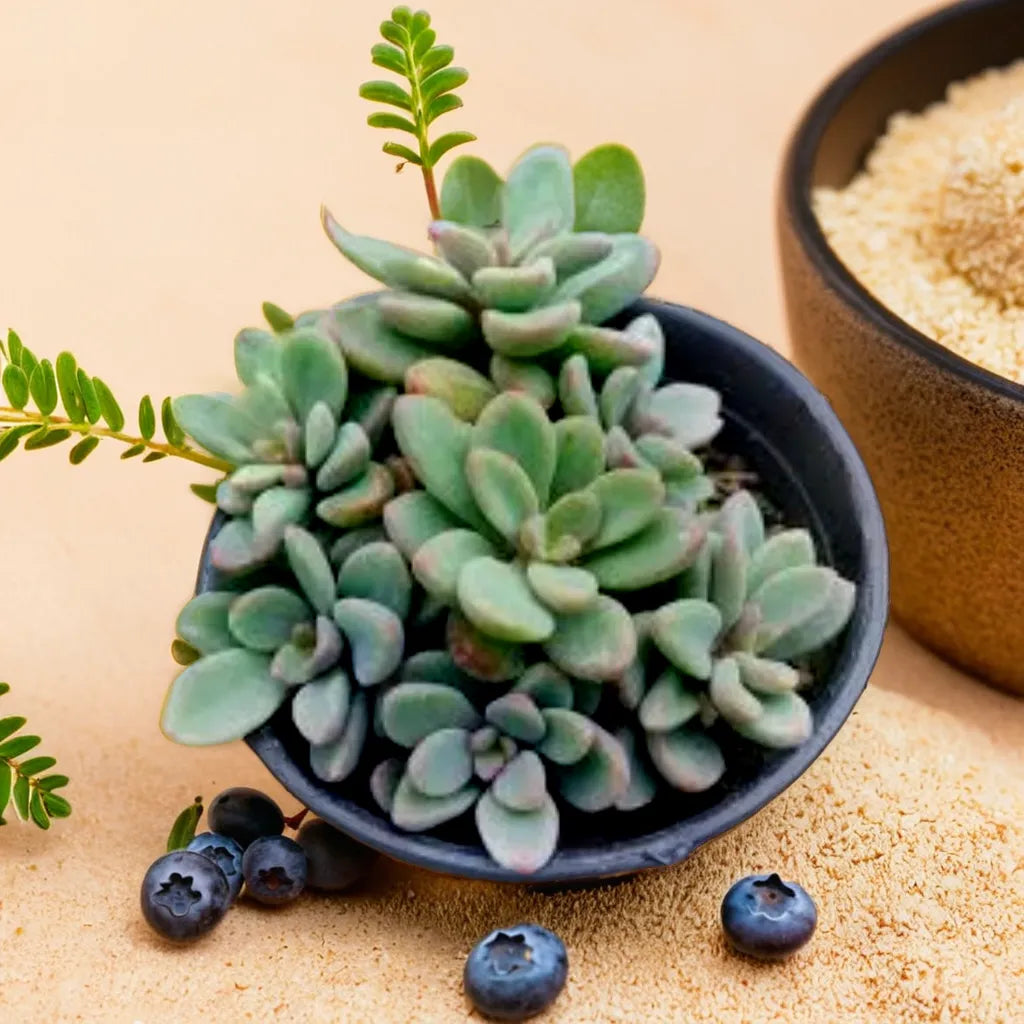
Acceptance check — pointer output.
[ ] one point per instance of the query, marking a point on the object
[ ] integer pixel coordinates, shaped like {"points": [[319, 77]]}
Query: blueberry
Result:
{"points": [[184, 895], [275, 870], [335, 862], [225, 853], [516, 973], [244, 815], [767, 918]]}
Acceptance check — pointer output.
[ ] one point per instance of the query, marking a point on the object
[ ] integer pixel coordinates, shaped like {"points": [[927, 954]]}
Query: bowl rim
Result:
{"points": [[854, 662], [796, 191]]}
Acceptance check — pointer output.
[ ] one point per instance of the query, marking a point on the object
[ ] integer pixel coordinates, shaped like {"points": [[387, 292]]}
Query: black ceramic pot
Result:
{"points": [[811, 471]]}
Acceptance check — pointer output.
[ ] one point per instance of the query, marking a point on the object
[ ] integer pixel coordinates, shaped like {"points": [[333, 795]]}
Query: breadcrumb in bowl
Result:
{"points": [[899, 229], [933, 226]]}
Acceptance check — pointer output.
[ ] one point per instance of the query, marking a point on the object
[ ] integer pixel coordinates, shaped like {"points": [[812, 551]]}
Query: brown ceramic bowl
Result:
{"points": [[942, 438]]}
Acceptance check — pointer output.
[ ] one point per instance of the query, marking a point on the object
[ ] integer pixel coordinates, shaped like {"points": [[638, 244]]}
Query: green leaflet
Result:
{"points": [[609, 190]]}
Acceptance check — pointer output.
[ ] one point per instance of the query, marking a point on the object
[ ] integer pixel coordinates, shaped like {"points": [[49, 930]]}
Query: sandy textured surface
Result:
{"points": [[161, 169]]}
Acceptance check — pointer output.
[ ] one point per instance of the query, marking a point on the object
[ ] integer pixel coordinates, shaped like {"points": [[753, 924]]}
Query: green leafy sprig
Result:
{"points": [[183, 831], [35, 389], [410, 50], [23, 783]]}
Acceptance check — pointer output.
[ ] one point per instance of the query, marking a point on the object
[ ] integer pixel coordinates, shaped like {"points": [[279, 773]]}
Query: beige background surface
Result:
{"points": [[160, 173]]}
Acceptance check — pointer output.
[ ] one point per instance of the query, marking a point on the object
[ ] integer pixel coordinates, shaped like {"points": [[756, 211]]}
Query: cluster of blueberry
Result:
{"points": [[511, 975], [187, 892]]}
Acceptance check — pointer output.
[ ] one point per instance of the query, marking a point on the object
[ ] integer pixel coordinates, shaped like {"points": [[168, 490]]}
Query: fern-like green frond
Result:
{"points": [[410, 49], [48, 403], [24, 782]]}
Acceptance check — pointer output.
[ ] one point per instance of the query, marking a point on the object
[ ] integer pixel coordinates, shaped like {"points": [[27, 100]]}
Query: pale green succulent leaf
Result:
{"points": [[670, 458], [377, 572], [376, 636], [298, 663], [414, 518], [580, 459], [320, 708], [516, 425], [786, 550], [308, 561], [257, 353], [642, 789], [516, 715], [413, 811], [215, 423], [396, 266], [787, 600], [657, 553], [595, 782], [607, 287], [312, 371], [529, 334], [610, 192], [597, 644], [464, 390], [347, 460], [785, 722], [685, 631], [439, 561], [546, 685], [607, 349], [728, 588], [436, 443], [538, 200], [369, 345], [438, 322], [522, 784], [502, 490], [764, 675], [577, 515], [384, 781], [514, 289], [234, 548], [521, 841], [441, 763], [563, 589], [668, 704], [617, 394], [741, 514], [576, 388], [263, 619], [821, 627], [481, 656], [646, 331], [571, 253], [471, 193], [335, 761], [360, 501], [412, 711], [221, 698], [525, 376], [568, 735], [496, 598], [465, 248], [687, 413], [630, 500], [203, 622], [737, 705], [275, 510], [687, 759]]}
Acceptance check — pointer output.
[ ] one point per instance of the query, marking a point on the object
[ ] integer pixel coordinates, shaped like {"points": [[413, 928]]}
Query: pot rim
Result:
{"points": [[796, 193], [854, 662]]}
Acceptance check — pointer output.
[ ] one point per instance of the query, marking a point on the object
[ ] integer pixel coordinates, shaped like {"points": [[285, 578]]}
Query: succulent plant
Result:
{"points": [[323, 640], [503, 755], [530, 287], [750, 608], [523, 530], [298, 459]]}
